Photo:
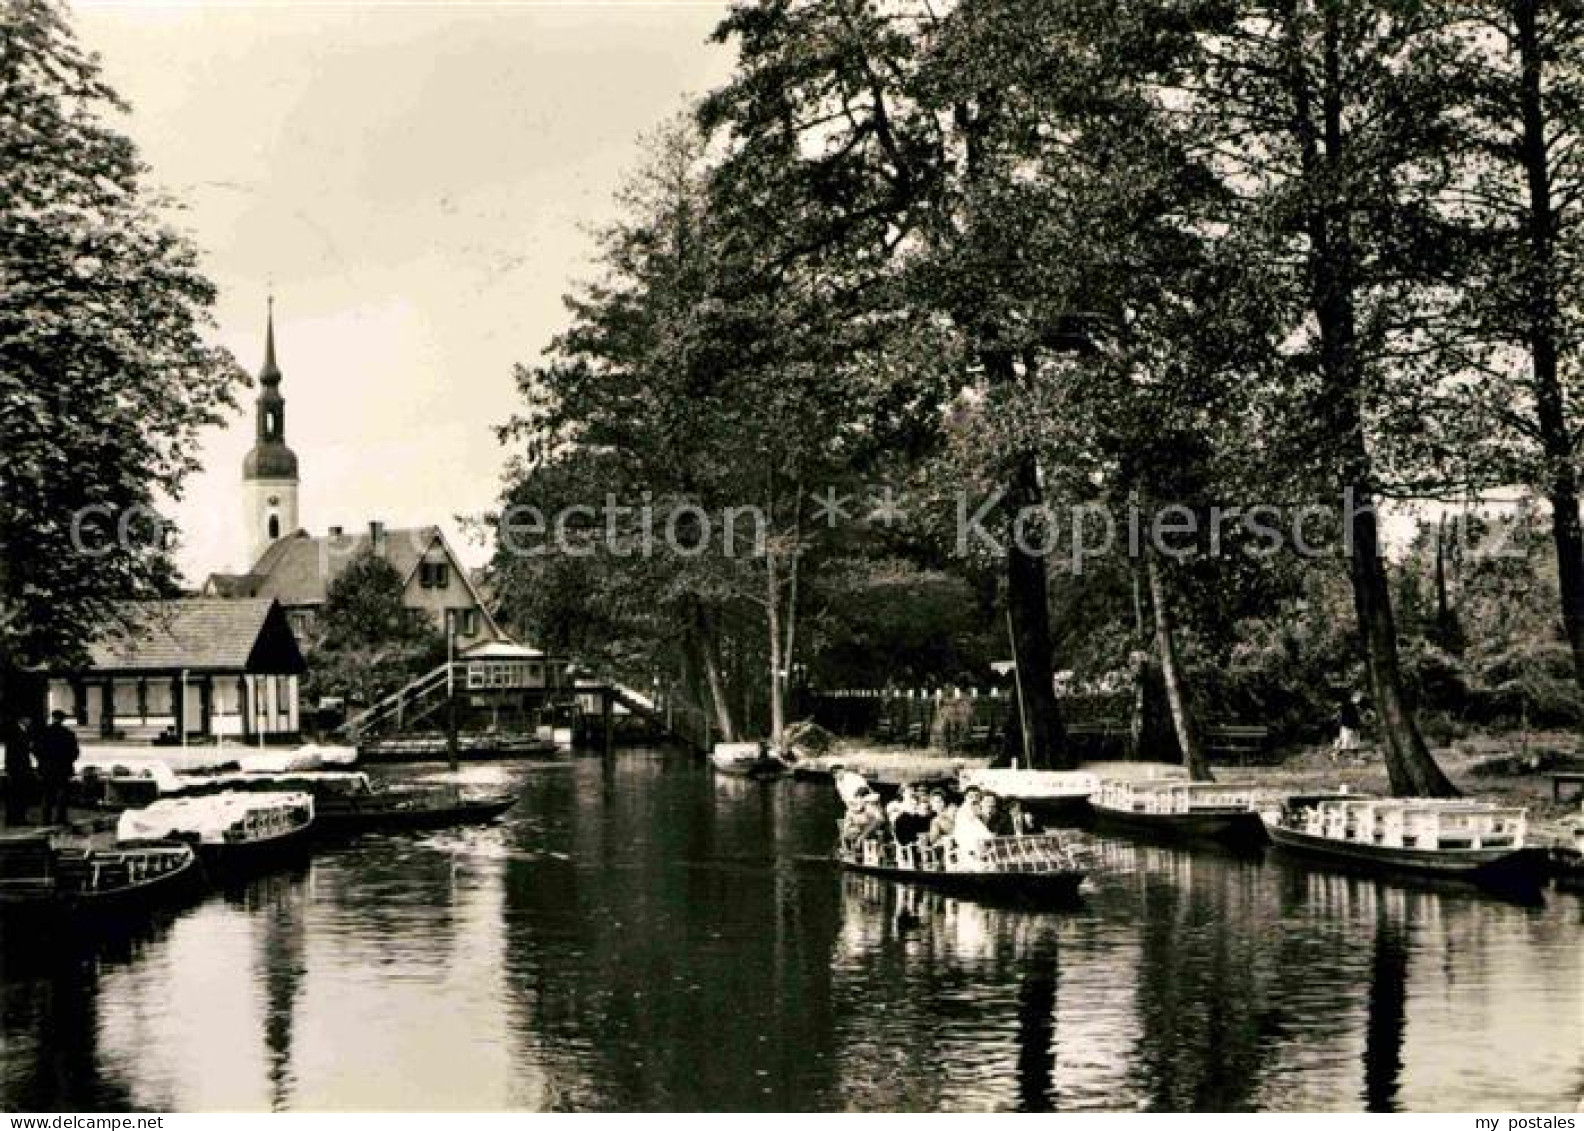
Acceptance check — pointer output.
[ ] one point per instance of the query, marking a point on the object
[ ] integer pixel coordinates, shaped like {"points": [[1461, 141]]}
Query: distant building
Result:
{"points": [[295, 568], [297, 571], [195, 667]]}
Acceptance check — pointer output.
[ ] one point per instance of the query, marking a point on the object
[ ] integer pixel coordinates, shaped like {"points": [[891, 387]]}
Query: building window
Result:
{"points": [[467, 622], [434, 575], [274, 527]]}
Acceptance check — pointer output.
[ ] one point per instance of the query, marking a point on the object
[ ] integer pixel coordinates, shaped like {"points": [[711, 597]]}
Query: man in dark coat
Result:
{"points": [[18, 770], [57, 759]]}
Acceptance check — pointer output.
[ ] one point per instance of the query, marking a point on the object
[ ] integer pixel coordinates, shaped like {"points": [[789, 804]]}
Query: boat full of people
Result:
{"points": [[976, 847], [232, 832], [1178, 808], [1479, 841]]}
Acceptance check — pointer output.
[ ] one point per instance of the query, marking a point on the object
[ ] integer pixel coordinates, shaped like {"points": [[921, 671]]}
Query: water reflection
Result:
{"points": [[642, 934], [1388, 1009]]}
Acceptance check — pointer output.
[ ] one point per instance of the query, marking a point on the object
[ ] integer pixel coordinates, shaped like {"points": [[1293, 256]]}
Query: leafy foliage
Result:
{"points": [[368, 642], [106, 375]]}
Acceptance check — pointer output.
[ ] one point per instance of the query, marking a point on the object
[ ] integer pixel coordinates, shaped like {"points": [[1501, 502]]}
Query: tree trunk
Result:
{"points": [[1028, 604], [709, 656], [792, 588], [1411, 769], [773, 610], [1562, 488], [1331, 267], [1193, 755]]}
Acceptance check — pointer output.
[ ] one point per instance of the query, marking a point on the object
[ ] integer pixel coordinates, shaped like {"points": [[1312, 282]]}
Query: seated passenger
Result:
{"points": [[1022, 821], [913, 822], [863, 818], [943, 814], [849, 784], [996, 818], [871, 819], [970, 835]]}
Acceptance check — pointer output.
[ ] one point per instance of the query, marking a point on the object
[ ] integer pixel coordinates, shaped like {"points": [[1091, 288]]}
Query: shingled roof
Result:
{"points": [[199, 634], [297, 570]]}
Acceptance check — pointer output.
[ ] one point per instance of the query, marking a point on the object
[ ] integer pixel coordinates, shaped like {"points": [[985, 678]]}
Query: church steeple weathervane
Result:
{"points": [[269, 473]]}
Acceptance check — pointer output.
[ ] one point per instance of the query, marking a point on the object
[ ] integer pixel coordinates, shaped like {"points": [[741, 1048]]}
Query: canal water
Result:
{"points": [[642, 934]]}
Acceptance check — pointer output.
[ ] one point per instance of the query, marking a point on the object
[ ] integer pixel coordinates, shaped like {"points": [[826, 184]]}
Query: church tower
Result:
{"points": [[269, 473]]}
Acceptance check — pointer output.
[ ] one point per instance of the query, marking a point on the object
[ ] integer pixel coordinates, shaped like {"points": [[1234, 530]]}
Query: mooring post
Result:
{"points": [[608, 713], [452, 753]]}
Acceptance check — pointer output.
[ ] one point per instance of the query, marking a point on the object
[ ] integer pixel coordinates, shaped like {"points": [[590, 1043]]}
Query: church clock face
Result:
{"points": [[274, 500]]}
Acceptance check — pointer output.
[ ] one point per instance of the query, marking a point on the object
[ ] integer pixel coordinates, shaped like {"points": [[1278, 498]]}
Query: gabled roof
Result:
{"points": [[229, 585], [297, 570], [199, 634]]}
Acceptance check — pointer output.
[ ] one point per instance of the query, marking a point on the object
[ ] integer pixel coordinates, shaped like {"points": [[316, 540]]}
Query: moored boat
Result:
{"points": [[746, 760], [1174, 808], [234, 833], [392, 810], [1050, 793], [470, 748], [40, 881], [1455, 839], [349, 801], [1037, 868]]}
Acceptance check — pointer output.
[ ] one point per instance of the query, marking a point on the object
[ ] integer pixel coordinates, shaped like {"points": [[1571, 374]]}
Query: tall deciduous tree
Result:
{"points": [[105, 373], [899, 182], [368, 641], [1329, 117], [1521, 191]]}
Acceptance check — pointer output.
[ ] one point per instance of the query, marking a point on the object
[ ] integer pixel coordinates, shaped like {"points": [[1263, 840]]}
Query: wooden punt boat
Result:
{"points": [[1169, 807], [348, 801], [235, 834], [1452, 839], [1037, 868], [1049, 793], [40, 882], [746, 760], [393, 810]]}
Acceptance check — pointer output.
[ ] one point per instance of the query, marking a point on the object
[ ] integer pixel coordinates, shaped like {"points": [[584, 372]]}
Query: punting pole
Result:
{"points": [[1017, 676]]}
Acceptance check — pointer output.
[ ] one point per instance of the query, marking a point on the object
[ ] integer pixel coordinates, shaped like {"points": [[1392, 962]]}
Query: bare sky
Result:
{"points": [[417, 181]]}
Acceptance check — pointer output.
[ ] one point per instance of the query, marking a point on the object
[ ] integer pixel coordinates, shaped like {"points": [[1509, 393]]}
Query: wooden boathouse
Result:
{"points": [[186, 668]]}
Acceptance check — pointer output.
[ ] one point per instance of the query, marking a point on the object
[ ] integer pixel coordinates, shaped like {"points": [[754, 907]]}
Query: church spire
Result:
{"points": [[270, 374]]}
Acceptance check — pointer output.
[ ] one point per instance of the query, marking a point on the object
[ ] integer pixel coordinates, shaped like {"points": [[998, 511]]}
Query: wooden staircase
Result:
{"points": [[407, 706]]}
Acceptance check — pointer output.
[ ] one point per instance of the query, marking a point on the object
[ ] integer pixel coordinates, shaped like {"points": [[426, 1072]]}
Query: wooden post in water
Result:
{"points": [[453, 755], [608, 718]]}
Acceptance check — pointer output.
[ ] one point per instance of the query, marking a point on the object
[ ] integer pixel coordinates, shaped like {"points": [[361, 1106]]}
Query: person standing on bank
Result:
{"points": [[18, 770], [1350, 721], [57, 759]]}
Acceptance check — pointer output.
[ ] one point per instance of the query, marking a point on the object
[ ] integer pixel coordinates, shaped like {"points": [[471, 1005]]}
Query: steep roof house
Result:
{"points": [[297, 571]]}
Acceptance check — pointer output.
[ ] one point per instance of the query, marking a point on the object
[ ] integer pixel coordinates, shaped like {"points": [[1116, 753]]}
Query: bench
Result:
{"points": [[1097, 728], [1566, 777], [1237, 741]]}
